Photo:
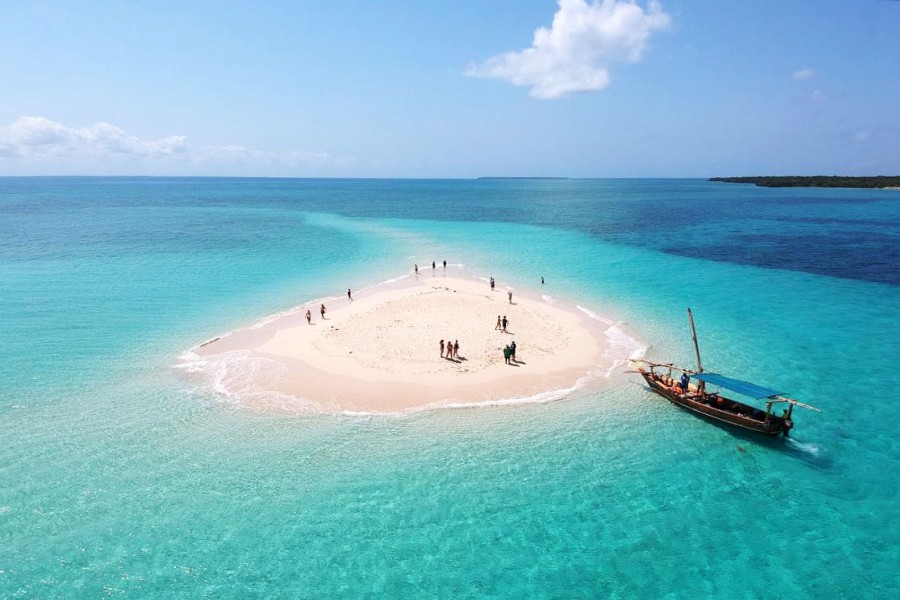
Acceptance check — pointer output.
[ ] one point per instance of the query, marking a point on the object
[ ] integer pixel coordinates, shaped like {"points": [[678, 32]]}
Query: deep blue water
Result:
{"points": [[122, 479], [845, 233]]}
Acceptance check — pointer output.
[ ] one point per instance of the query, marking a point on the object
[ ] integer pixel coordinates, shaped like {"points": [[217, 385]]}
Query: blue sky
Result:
{"points": [[450, 88]]}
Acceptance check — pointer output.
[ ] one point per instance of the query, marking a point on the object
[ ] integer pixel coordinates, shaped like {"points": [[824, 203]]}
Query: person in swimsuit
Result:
{"points": [[309, 317], [349, 295], [498, 323], [322, 311], [455, 348], [442, 348], [512, 351]]}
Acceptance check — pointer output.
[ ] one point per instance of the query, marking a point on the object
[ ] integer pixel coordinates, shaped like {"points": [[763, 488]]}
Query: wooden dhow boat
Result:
{"points": [[694, 396]]}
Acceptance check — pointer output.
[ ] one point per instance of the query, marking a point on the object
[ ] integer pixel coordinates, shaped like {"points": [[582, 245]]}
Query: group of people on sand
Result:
{"points": [[433, 266], [508, 292], [322, 308], [450, 349], [321, 312], [509, 353]]}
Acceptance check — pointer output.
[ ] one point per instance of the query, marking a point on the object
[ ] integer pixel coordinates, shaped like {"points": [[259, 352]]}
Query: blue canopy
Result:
{"points": [[741, 387]]}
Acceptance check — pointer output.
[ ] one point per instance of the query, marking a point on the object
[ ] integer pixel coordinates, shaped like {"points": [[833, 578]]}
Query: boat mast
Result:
{"points": [[702, 385]]}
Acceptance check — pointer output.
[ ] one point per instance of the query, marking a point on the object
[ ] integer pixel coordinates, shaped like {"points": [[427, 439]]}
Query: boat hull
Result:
{"points": [[717, 408]]}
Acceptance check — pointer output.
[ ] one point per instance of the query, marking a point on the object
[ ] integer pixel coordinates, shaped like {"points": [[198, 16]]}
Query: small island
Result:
{"points": [[383, 350], [819, 181]]}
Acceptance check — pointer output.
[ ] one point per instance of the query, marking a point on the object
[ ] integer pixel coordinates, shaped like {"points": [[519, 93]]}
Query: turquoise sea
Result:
{"points": [[119, 477]]}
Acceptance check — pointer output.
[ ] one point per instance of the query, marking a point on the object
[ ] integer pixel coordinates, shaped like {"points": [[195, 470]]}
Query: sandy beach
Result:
{"points": [[380, 353]]}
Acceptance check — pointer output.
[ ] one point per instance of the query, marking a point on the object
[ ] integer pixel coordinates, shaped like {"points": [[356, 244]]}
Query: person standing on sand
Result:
{"points": [[442, 348], [417, 269], [498, 323], [308, 318], [349, 295], [506, 354], [492, 284], [512, 351], [504, 322], [322, 311], [455, 348], [445, 264], [432, 266], [510, 296]]}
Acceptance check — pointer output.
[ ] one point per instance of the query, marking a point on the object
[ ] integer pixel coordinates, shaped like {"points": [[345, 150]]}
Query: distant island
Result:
{"points": [[821, 181]]}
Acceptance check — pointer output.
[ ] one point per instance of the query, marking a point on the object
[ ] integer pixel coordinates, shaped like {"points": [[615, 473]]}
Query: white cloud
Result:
{"points": [[817, 96], [37, 139], [30, 137], [575, 53], [803, 74]]}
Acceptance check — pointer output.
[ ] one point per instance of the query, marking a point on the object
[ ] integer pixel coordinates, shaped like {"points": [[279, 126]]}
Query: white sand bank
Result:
{"points": [[380, 353]]}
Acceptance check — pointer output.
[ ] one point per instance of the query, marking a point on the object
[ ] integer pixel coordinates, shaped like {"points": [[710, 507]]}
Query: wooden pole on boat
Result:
{"points": [[696, 346], [702, 385]]}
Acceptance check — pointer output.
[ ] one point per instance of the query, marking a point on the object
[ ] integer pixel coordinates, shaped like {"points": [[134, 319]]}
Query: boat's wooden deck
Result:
{"points": [[715, 406]]}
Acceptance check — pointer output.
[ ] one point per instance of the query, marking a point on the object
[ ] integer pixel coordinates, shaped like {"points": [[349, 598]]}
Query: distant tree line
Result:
{"points": [[823, 181]]}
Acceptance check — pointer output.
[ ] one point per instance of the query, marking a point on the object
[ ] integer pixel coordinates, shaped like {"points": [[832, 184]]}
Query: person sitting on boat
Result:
{"points": [[683, 384]]}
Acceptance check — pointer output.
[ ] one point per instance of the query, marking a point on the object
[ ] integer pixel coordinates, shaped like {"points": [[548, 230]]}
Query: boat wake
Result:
{"points": [[806, 447], [812, 454]]}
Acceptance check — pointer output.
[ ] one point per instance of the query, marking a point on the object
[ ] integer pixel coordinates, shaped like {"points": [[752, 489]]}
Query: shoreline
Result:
{"points": [[378, 354]]}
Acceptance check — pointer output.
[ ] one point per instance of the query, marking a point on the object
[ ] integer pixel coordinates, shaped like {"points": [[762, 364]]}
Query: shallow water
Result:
{"points": [[121, 478]]}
